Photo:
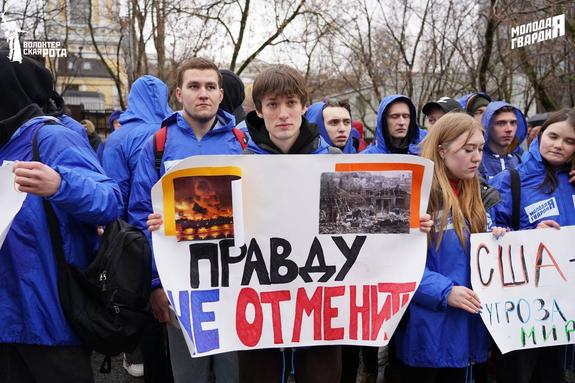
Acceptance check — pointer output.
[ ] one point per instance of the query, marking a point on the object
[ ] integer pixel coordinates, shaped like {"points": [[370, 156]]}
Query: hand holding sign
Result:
{"points": [[525, 282]]}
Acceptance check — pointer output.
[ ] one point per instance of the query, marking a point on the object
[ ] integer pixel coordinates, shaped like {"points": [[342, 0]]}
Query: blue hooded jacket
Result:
{"points": [[536, 204], [181, 143], [147, 108], [314, 114], [437, 335], [30, 310], [382, 142], [492, 163]]}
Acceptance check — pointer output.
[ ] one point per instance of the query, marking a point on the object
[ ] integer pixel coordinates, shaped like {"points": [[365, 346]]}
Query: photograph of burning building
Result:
{"points": [[365, 202], [203, 207]]}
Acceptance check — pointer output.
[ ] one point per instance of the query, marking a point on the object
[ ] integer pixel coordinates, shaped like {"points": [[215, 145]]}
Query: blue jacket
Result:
{"points": [[437, 335], [536, 204], [70, 123], [147, 108], [492, 163], [30, 310], [314, 114], [414, 133], [181, 143]]}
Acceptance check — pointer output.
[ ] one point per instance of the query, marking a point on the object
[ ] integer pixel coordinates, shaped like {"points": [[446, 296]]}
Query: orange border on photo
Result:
{"points": [[416, 181], [169, 195]]}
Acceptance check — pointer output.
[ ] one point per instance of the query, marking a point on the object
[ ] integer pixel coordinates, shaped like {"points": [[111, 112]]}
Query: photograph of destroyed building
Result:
{"points": [[365, 202], [203, 207]]}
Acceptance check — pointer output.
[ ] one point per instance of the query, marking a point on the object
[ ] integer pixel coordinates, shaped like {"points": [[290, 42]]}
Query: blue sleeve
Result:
{"points": [[433, 290], [116, 167], [501, 212], [85, 192], [140, 204]]}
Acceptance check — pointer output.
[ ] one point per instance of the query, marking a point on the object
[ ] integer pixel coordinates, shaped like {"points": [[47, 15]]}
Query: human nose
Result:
{"points": [[283, 112], [477, 155]]}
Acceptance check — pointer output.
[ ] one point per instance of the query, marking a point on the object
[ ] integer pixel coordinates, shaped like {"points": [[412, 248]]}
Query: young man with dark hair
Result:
{"points": [[200, 128], [334, 121], [505, 128], [277, 126]]}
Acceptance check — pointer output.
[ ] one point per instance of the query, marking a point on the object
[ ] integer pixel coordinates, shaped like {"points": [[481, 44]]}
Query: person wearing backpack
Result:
{"points": [[37, 343], [545, 200], [200, 128]]}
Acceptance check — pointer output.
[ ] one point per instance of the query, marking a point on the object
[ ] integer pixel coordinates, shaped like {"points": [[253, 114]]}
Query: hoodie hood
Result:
{"points": [[314, 115], [383, 139], [234, 95], [309, 140], [487, 120], [147, 101], [25, 84]]}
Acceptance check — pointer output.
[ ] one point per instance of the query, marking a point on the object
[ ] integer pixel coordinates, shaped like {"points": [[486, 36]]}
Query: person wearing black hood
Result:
{"points": [[37, 343], [234, 95]]}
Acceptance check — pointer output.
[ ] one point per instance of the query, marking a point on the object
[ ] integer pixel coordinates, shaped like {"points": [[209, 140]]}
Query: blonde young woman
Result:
{"points": [[442, 336]]}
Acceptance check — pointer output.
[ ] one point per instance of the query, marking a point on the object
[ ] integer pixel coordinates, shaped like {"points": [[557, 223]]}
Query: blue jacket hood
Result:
{"points": [[147, 101], [414, 133], [492, 108], [314, 114]]}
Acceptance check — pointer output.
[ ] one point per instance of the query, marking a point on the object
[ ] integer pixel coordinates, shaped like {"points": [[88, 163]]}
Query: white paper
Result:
{"points": [[11, 199]]}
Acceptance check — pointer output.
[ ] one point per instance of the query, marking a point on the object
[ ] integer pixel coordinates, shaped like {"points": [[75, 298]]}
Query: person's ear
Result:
{"points": [[179, 95], [441, 151], [260, 114], [304, 109]]}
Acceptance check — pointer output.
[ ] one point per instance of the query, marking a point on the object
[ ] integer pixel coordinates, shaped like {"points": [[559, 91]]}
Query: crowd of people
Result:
{"points": [[476, 144]]}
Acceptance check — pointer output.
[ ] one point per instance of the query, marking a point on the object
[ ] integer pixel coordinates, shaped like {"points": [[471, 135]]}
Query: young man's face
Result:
{"points": [[337, 121], [398, 117], [200, 94], [434, 115], [282, 116], [503, 127]]}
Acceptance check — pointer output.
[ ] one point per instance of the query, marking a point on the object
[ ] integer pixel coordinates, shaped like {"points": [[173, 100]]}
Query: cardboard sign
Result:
{"points": [[263, 251], [525, 283]]}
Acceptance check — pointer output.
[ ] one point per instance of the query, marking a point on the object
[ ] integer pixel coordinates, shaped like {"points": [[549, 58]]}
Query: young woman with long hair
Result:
{"points": [[546, 174], [443, 336]]}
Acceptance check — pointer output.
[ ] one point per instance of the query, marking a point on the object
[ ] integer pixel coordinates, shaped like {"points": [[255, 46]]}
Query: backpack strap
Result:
{"points": [[515, 198], [241, 137], [159, 145]]}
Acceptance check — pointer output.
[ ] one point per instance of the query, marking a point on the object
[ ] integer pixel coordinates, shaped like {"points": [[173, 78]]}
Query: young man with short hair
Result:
{"points": [[334, 121], [200, 128], [277, 126], [505, 129]]}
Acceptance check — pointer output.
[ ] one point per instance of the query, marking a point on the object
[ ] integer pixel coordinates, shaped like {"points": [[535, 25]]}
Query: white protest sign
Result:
{"points": [[525, 283], [11, 198], [328, 251]]}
